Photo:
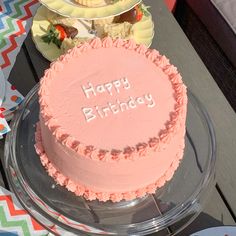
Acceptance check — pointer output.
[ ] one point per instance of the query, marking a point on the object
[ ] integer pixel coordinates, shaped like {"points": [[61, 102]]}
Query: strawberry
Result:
{"points": [[139, 13], [57, 33], [134, 15]]}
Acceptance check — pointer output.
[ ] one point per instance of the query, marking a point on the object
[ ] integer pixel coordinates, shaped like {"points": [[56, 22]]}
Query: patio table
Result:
{"points": [[171, 41]]}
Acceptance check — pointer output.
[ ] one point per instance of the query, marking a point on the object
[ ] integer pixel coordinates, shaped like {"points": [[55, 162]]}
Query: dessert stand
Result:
{"points": [[143, 32], [171, 208]]}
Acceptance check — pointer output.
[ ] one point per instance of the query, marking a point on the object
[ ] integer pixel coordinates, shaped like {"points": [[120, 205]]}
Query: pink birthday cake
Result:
{"points": [[112, 120]]}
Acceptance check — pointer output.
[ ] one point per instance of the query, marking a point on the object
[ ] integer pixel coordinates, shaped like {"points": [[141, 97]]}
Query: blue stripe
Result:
{"points": [[7, 13], [5, 233]]}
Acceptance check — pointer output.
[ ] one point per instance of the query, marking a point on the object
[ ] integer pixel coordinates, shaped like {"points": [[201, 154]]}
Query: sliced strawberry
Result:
{"points": [[135, 14], [139, 13], [57, 33], [62, 33], [71, 32]]}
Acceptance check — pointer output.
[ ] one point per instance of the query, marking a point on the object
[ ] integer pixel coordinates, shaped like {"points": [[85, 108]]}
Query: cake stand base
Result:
{"points": [[172, 208]]}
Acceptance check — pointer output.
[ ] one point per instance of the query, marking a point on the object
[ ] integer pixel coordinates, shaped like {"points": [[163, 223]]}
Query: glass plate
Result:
{"points": [[172, 208]]}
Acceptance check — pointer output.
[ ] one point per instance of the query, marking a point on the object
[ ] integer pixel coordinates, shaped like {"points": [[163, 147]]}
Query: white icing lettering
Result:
{"points": [[123, 106], [113, 87], [106, 110], [100, 89], [88, 114], [119, 106], [140, 100], [88, 90], [113, 108], [132, 103], [108, 86], [149, 98], [99, 112], [117, 85], [125, 83]]}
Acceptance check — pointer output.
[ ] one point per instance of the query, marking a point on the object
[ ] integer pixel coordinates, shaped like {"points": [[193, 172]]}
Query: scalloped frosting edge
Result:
{"points": [[131, 153], [87, 193]]}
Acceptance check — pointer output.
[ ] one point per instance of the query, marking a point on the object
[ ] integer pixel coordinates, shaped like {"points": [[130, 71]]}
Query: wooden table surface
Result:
{"points": [[171, 41]]}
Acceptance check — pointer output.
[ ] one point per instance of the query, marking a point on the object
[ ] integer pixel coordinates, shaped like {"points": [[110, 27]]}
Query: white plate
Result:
{"points": [[2, 87], [69, 8], [217, 231]]}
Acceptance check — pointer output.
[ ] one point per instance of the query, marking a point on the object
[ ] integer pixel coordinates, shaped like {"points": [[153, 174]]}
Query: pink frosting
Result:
{"points": [[61, 128], [114, 196], [120, 155]]}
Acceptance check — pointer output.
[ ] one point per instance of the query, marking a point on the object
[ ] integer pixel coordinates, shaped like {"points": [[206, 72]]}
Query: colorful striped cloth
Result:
{"points": [[14, 220], [15, 22]]}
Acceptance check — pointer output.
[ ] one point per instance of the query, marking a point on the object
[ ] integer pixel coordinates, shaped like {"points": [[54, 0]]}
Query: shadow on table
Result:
{"points": [[203, 221], [2, 173]]}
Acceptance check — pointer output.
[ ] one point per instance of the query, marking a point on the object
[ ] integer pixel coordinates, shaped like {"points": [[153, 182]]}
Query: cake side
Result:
{"points": [[164, 135], [115, 181]]}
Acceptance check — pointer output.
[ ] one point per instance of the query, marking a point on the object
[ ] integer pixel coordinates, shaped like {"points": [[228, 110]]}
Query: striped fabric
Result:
{"points": [[14, 220], [15, 22]]}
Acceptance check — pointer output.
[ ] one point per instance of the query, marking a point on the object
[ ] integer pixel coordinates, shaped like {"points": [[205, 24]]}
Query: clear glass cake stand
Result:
{"points": [[167, 212]]}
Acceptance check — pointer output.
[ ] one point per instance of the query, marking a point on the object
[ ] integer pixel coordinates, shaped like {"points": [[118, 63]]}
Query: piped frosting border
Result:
{"points": [[87, 193], [129, 153]]}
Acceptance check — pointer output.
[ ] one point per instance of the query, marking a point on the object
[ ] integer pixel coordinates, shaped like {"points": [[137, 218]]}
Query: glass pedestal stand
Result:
{"points": [[172, 208]]}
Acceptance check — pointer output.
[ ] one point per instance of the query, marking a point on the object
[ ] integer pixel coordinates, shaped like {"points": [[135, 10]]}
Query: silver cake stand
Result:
{"points": [[173, 207]]}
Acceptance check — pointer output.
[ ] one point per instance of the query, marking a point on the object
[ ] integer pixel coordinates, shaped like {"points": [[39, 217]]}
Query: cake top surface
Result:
{"points": [[112, 96]]}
